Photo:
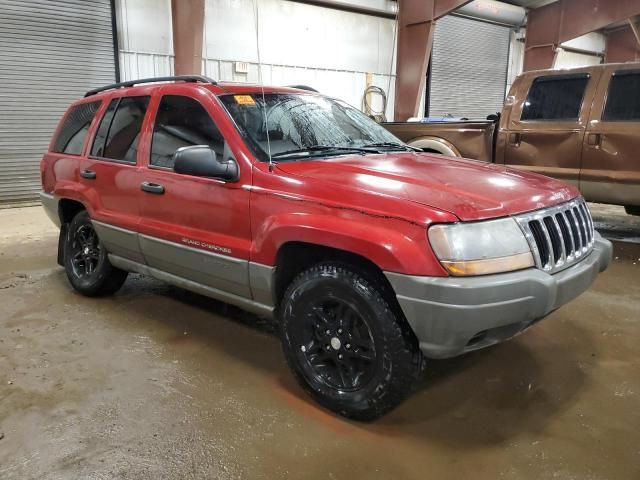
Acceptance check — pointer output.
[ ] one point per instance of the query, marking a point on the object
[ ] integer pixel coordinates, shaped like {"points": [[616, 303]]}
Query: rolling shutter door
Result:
{"points": [[469, 68], [52, 52]]}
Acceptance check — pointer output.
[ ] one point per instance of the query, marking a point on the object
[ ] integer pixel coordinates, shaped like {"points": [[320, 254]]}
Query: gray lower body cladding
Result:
{"points": [[50, 205], [454, 315], [206, 290], [239, 282], [450, 316]]}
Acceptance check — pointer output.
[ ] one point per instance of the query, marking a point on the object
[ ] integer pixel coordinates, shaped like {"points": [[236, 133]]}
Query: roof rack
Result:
{"points": [[131, 83]]}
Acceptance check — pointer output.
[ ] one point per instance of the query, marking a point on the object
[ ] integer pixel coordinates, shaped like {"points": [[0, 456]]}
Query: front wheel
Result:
{"points": [[85, 260], [348, 347]]}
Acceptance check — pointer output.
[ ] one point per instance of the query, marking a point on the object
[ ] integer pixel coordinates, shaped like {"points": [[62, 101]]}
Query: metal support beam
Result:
{"points": [[416, 25], [564, 20], [622, 46], [634, 24], [349, 7], [188, 24]]}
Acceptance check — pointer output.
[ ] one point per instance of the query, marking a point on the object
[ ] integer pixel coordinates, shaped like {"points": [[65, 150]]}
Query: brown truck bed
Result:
{"points": [[469, 139]]}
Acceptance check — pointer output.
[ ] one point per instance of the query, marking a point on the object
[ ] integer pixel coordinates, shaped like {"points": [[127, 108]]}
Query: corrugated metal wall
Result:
{"points": [[51, 52], [348, 85], [469, 68]]}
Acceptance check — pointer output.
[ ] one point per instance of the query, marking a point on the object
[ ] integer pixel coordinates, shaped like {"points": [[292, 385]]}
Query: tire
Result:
{"points": [[85, 260], [632, 209], [348, 346]]}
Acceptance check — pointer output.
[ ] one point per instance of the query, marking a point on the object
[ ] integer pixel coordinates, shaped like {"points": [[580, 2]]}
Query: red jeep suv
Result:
{"points": [[370, 254]]}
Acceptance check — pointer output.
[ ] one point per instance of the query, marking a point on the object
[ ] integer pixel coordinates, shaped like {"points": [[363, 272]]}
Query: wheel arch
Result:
{"points": [[294, 257], [67, 209], [436, 144]]}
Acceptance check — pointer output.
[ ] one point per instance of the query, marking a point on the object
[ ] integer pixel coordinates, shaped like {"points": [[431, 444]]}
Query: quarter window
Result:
{"points": [[555, 98], [119, 130], [75, 127], [623, 100], [181, 122]]}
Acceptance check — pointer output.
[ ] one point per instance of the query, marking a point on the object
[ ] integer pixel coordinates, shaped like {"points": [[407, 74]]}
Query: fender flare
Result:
{"points": [[438, 144], [388, 248]]}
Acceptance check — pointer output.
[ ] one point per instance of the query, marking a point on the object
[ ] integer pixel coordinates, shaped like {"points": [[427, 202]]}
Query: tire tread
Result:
{"points": [[401, 344]]}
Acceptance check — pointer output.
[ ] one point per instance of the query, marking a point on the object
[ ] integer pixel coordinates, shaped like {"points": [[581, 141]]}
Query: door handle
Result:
{"points": [[152, 188], [88, 174], [514, 139], [594, 140]]}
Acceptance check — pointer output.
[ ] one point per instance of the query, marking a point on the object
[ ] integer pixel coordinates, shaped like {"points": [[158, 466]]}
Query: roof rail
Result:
{"points": [[304, 87], [131, 83]]}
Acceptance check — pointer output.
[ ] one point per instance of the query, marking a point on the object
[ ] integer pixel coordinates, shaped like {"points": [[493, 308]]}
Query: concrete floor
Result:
{"points": [[159, 383]]}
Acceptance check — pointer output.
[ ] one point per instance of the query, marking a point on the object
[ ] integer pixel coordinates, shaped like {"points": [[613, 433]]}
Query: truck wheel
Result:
{"points": [[632, 209], [85, 260], [345, 343]]}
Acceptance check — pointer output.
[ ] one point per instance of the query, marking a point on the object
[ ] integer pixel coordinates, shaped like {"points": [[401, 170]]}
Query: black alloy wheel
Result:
{"points": [[85, 251], [336, 344], [85, 259]]}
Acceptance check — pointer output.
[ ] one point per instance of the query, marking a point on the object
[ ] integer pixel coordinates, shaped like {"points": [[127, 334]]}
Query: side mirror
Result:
{"points": [[201, 161]]}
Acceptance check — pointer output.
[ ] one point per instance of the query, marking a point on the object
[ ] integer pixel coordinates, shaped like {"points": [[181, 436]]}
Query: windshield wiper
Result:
{"points": [[392, 145], [320, 149]]}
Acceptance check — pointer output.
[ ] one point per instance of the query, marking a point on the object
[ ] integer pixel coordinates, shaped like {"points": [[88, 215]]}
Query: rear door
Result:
{"points": [[196, 228], [546, 128], [611, 159], [111, 175]]}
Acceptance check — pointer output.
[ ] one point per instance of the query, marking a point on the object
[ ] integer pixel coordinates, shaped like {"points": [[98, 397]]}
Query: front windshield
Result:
{"points": [[305, 126]]}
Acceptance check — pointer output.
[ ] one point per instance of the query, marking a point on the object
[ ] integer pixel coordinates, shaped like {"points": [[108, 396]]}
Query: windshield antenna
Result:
{"points": [[264, 102]]}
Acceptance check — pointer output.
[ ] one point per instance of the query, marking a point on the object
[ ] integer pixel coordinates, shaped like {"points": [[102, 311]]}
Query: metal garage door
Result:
{"points": [[469, 68], [51, 52]]}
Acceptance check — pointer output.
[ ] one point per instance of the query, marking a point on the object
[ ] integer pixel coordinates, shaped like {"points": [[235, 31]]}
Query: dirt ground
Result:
{"points": [[158, 383]]}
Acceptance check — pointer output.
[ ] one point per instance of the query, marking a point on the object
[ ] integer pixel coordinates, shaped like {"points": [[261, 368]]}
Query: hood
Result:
{"points": [[469, 189]]}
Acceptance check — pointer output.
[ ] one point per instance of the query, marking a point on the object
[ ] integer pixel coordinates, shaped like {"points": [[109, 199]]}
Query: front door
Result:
{"points": [[611, 160], [545, 129], [195, 228]]}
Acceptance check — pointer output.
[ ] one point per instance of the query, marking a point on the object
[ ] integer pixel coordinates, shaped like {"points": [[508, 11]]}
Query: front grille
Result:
{"points": [[558, 236]]}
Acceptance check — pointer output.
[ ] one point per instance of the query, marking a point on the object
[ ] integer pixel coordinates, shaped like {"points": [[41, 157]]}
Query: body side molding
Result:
{"points": [[245, 303]]}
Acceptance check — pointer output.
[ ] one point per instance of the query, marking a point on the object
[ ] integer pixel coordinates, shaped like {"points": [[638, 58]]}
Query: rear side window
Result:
{"points": [[623, 100], [181, 122], [555, 98], [74, 130], [119, 130]]}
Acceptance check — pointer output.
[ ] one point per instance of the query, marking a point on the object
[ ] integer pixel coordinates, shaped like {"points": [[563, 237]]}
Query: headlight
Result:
{"points": [[481, 248]]}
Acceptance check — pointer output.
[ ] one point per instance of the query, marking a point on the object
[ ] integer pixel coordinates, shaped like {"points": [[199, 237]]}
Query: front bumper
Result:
{"points": [[455, 315]]}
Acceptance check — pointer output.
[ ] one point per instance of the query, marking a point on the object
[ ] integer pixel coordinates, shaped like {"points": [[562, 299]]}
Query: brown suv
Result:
{"points": [[580, 125]]}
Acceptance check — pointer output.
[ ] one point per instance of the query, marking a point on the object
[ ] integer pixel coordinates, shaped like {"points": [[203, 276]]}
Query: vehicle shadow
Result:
{"points": [[483, 397], [490, 396]]}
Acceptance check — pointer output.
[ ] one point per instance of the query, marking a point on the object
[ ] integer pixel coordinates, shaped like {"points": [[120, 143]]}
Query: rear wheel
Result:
{"points": [[345, 343], [85, 260]]}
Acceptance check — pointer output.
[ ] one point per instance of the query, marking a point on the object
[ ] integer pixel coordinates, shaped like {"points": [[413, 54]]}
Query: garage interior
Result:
{"points": [[158, 382]]}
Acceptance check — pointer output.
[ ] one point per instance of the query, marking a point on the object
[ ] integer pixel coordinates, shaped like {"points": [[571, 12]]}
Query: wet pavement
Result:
{"points": [[156, 383], [613, 223]]}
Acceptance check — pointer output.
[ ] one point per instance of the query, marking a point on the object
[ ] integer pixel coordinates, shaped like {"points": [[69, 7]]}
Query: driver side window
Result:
{"points": [[182, 122]]}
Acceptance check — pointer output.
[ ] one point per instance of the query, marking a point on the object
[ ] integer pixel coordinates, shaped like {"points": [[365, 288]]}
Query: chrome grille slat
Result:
{"points": [[547, 238], [573, 242], [563, 253], [554, 239], [567, 236], [558, 236], [576, 232], [583, 230], [589, 221]]}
